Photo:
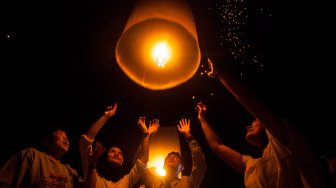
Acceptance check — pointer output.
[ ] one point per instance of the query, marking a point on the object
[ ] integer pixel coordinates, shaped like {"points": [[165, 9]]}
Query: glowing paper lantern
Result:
{"points": [[165, 141], [158, 48]]}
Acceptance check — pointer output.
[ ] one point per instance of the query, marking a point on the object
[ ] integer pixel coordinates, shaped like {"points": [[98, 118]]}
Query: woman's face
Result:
{"points": [[255, 133], [115, 157]]}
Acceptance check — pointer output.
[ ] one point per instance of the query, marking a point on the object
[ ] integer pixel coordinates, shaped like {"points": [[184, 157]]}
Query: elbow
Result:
{"points": [[144, 159]]}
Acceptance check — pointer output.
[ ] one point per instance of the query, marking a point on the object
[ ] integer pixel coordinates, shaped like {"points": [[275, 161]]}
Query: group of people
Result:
{"points": [[286, 160]]}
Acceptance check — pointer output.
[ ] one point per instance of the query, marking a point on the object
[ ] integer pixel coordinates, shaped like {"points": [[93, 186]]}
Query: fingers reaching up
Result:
{"points": [[110, 110], [201, 110], [184, 127], [153, 127], [211, 72], [142, 124]]}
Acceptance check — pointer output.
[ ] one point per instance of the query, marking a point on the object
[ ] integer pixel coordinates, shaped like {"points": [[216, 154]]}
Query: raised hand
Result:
{"points": [[153, 127], [142, 125], [110, 110], [201, 110], [211, 72], [184, 127]]}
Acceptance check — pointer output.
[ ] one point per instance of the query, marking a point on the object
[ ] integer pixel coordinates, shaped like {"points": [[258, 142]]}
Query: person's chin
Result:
{"points": [[65, 149], [249, 137], [116, 163]]}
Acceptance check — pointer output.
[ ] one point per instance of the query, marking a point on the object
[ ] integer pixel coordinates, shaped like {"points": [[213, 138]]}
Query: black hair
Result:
{"points": [[48, 133], [177, 154], [112, 173]]}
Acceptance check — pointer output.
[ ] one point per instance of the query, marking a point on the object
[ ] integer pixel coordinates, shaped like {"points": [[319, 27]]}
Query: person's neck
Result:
{"points": [[170, 177], [262, 145]]}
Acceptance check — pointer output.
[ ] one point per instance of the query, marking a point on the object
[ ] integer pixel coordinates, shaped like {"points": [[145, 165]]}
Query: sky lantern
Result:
{"points": [[158, 48]]}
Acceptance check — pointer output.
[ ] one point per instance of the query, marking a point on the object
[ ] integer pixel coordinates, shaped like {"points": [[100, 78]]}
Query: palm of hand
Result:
{"points": [[153, 128], [184, 126], [185, 129], [201, 109], [109, 113]]}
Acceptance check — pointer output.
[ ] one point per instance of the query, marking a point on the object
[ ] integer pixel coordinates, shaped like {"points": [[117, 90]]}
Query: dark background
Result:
{"points": [[58, 67]]}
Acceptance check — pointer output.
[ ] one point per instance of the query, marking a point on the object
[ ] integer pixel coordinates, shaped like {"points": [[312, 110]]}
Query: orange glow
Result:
{"points": [[161, 54], [165, 141], [156, 164], [162, 32]]}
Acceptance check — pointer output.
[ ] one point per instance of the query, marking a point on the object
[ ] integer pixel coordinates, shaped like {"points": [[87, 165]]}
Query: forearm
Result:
{"points": [[91, 179], [198, 162], [231, 157], [243, 94], [94, 129], [212, 138], [225, 153], [144, 153], [255, 106]]}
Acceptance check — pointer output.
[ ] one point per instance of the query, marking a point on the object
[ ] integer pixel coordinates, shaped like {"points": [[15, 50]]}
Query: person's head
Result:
{"points": [[115, 157], [173, 163], [110, 164], [56, 142], [256, 134]]}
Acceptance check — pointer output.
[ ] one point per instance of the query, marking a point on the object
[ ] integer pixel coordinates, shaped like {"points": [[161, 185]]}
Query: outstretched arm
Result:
{"points": [[148, 133], [109, 112], [225, 153], [86, 140], [198, 160], [250, 101]]}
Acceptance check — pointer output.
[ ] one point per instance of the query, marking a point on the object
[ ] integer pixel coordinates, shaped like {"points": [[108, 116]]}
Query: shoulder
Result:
{"points": [[247, 158], [30, 152]]}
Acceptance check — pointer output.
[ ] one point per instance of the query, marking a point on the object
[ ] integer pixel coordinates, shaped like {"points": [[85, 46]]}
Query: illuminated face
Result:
{"points": [[60, 142], [255, 132], [173, 163], [115, 157]]}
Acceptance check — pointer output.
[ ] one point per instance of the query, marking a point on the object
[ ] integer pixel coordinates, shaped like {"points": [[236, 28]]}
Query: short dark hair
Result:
{"points": [[177, 154], [49, 131]]}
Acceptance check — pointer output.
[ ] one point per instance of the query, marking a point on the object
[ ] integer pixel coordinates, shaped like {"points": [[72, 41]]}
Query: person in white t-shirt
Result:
{"points": [[287, 160], [32, 168]]}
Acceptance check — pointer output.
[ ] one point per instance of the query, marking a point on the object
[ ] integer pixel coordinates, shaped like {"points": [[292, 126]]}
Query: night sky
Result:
{"points": [[58, 67]]}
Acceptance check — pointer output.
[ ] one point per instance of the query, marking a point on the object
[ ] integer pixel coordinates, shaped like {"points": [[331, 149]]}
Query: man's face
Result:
{"points": [[60, 141], [115, 157], [173, 163]]}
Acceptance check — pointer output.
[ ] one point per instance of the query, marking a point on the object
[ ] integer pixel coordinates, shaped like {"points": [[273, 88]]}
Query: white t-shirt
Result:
{"points": [[31, 168], [292, 166]]}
